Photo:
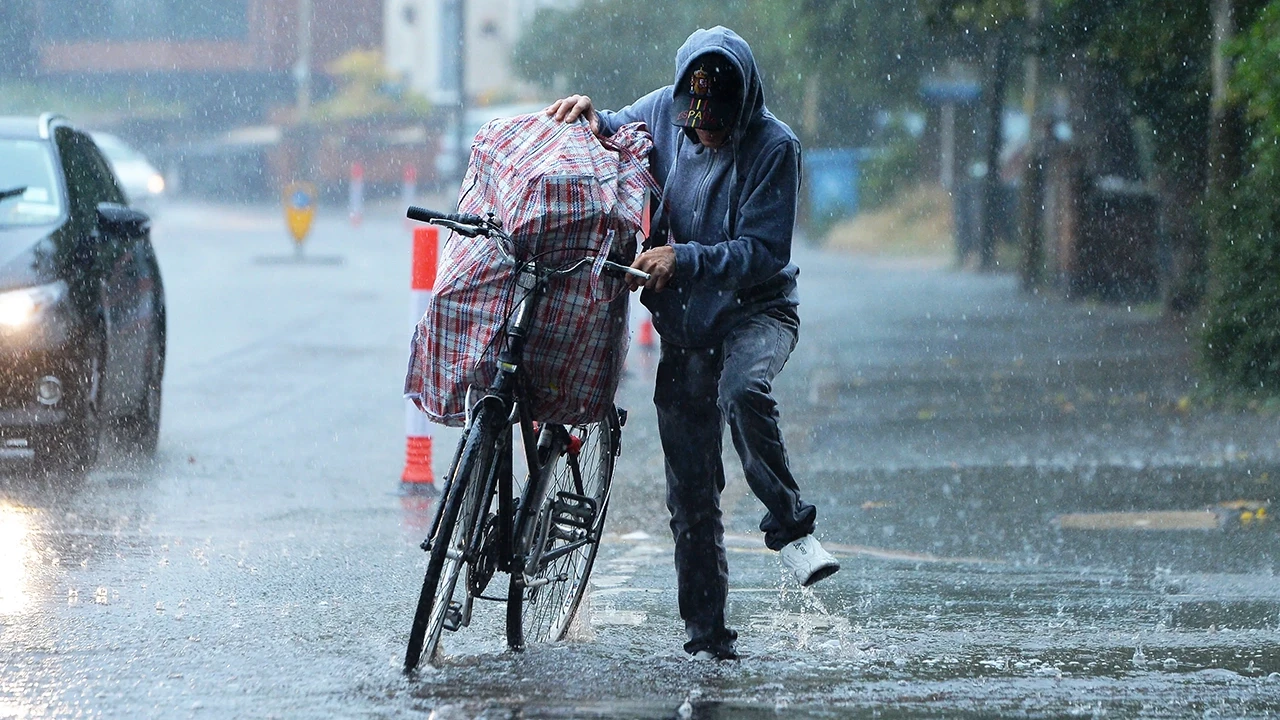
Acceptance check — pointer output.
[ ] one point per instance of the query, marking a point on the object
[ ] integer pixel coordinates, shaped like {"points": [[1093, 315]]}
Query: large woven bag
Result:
{"points": [[562, 194]]}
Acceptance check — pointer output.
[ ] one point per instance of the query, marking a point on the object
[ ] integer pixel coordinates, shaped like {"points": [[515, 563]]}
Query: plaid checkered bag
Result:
{"points": [[561, 194]]}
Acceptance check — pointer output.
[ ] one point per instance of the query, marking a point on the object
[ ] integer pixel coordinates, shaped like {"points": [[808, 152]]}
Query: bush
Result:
{"points": [[890, 169], [1241, 340]]}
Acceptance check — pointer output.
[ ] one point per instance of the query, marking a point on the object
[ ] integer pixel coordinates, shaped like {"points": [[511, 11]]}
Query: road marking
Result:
{"points": [[1158, 520], [619, 618], [1217, 517], [614, 579], [607, 581]]}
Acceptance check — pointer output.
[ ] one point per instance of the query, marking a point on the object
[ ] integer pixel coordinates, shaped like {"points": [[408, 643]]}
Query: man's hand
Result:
{"points": [[573, 107], [660, 263]]}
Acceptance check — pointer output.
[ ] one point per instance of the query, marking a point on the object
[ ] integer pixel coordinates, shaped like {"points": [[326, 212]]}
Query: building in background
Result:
{"points": [[469, 75], [225, 62], [214, 90], [208, 89], [421, 47]]}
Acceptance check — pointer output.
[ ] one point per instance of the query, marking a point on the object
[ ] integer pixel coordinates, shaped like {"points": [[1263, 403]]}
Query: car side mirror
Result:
{"points": [[119, 219]]}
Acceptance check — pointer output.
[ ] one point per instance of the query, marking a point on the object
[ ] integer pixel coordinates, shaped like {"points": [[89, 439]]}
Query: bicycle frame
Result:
{"points": [[500, 406], [531, 534]]}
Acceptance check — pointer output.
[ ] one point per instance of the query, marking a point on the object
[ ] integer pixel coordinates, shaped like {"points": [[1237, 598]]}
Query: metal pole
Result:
{"points": [[302, 70], [305, 169], [948, 152], [463, 142], [1031, 212], [995, 116], [1224, 130]]}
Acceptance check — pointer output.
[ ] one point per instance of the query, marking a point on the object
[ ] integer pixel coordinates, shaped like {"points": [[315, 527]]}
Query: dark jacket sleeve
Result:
{"points": [[641, 110], [761, 246]]}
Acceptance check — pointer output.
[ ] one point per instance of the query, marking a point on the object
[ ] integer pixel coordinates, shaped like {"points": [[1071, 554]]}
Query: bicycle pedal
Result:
{"points": [[574, 510], [453, 616]]}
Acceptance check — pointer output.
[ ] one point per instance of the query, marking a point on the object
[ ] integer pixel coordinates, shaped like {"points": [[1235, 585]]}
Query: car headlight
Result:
{"points": [[18, 308], [155, 184]]}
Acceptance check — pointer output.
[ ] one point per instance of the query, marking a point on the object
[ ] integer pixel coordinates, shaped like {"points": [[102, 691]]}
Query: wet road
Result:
{"points": [[1002, 476]]}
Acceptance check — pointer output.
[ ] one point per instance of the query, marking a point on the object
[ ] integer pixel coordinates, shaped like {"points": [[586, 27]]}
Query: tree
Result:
{"points": [[365, 90], [861, 58], [1163, 53], [828, 65], [993, 23], [1241, 342]]}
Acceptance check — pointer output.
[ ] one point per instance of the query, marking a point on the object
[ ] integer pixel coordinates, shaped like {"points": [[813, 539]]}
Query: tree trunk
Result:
{"points": [[1225, 121], [1226, 148], [999, 75], [1031, 201]]}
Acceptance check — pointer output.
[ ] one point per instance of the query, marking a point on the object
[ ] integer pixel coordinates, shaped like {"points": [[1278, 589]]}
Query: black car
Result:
{"points": [[82, 312]]}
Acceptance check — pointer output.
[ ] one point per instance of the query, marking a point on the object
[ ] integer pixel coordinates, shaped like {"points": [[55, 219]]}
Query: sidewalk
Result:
{"points": [[921, 398]]}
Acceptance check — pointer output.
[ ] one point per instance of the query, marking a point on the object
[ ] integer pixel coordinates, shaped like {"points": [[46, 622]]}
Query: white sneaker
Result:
{"points": [[807, 561], [714, 656]]}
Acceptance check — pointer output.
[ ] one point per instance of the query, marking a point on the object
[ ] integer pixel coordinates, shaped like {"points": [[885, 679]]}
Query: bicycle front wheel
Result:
{"points": [[468, 492], [542, 602]]}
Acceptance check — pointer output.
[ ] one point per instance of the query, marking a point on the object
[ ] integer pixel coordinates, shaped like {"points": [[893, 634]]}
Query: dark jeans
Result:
{"points": [[698, 391]]}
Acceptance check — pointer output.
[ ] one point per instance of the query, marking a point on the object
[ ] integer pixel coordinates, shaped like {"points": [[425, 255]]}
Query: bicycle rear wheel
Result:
{"points": [[466, 497], [541, 607]]}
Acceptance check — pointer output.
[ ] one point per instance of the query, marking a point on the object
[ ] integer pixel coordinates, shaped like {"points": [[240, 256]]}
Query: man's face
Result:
{"points": [[712, 138]]}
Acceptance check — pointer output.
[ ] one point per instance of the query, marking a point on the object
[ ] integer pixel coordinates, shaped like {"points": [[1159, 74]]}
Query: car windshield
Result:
{"points": [[29, 189]]}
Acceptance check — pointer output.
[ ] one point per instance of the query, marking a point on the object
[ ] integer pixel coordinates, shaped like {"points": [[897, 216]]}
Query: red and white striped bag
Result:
{"points": [[561, 193]]}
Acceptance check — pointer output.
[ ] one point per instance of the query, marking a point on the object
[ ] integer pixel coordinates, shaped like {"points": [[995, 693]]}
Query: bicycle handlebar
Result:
{"points": [[424, 215], [474, 224], [617, 267]]}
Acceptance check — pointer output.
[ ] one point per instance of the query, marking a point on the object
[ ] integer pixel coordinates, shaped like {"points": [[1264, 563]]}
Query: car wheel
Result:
{"points": [[142, 428], [72, 449]]}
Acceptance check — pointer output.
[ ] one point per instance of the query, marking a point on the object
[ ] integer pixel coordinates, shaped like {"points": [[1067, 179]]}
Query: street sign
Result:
{"points": [[299, 210], [959, 92]]}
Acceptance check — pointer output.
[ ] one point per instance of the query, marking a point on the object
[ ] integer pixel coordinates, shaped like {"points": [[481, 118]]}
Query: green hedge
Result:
{"points": [[1241, 339]]}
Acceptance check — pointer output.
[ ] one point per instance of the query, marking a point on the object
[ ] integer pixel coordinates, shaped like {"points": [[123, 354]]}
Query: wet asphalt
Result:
{"points": [[1030, 498]]}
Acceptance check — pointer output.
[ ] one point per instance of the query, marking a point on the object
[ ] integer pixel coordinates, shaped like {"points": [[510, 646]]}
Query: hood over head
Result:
{"points": [[724, 42], [712, 96]]}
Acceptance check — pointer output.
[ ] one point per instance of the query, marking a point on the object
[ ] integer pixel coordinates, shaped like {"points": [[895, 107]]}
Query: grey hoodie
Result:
{"points": [[731, 210]]}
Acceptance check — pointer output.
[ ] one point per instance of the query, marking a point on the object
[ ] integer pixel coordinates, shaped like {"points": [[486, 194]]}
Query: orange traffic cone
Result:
{"points": [[644, 337], [417, 463]]}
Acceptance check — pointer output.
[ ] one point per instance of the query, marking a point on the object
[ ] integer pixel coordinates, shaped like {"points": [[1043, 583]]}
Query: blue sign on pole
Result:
{"points": [[832, 175], [959, 92]]}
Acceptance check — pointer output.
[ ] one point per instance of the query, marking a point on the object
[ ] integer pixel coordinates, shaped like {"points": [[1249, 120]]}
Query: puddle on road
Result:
{"points": [[899, 636], [593, 681], [1230, 614], [957, 641]]}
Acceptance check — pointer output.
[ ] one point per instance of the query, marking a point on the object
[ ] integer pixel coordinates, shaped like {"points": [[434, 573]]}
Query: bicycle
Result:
{"points": [[544, 534]]}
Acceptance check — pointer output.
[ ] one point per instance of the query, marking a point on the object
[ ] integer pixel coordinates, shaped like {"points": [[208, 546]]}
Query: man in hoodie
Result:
{"points": [[722, 291]]}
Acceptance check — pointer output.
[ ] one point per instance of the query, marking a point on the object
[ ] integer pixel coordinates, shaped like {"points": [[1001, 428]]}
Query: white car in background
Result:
{"points": [[140, 180]]}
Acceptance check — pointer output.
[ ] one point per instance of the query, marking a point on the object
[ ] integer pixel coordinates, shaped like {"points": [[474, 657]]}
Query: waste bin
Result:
{"points": [[831, 175], [1116, 258]]}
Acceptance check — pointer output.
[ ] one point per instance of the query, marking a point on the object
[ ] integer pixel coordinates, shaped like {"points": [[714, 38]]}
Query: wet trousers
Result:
{"points": [[698, 391]]}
